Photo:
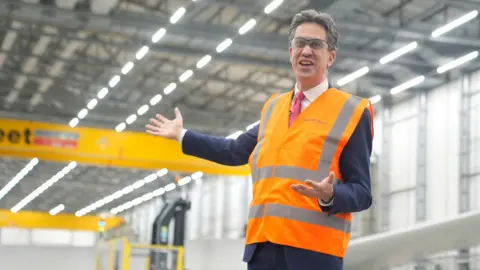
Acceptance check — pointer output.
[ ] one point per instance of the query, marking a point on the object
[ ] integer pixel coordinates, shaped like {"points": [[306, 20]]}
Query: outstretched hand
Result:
{"points": [[163, 127], [321, 190]]}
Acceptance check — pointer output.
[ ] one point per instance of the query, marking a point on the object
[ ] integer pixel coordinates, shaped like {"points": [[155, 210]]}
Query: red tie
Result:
{"points": [[297, 106]]}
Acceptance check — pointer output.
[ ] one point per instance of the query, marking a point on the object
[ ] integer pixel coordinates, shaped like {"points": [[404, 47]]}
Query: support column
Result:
{"points": [[385, 167], [421, 185], [421, 191], [465, 168]]}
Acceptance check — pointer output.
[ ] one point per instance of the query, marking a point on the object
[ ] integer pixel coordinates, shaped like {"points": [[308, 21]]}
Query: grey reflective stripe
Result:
{"points": [[256, 211], [331, 143], [301, 215], [328, 151], [261, 134]]}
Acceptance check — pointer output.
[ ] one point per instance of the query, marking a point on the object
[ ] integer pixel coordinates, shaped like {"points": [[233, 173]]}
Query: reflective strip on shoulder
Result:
{"points": [[301, 215], [328, 151]]}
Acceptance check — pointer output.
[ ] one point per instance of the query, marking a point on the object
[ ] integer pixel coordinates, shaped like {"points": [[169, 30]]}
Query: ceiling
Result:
{"points": [[56, 56]]}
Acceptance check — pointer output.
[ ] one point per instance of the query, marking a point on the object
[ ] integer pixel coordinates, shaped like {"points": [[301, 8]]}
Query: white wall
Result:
{"points": [[403, 159], [22, 249], [442, 155], [443, 146], [43, 258]]}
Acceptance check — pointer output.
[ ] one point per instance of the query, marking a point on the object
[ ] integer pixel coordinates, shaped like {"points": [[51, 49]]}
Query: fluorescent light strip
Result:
{"points": [[455, 23], [127, 67], [235, 135], [122, 192], [54, 179], [150, 195], [57, 209], [18, 177], [396, 54], [457, 62], [406, 85], [375, 99], [247, 26], [177, 15], [272, 6], [353, 76], [252, 125], [224, 45]]}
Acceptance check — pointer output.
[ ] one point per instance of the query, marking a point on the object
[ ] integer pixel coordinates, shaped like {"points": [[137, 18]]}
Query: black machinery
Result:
{"points": [[175, 210]]}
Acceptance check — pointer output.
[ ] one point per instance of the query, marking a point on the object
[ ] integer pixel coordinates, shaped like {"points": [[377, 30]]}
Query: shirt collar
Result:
{"points": [[313, 93]]}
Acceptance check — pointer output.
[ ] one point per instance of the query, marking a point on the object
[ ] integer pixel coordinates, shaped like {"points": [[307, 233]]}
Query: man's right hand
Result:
{"points": [[163, 127]]}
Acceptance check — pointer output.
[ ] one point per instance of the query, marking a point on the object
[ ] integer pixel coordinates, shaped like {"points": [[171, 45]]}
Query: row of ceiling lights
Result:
{"points": [[409, 48], [122, 192], [400, 52], [100, 203], [150, 195], [141, 53]]}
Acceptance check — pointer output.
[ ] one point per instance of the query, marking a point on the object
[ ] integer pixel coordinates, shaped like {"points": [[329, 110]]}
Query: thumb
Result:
{"points": [[331, 178], [178, 115]]}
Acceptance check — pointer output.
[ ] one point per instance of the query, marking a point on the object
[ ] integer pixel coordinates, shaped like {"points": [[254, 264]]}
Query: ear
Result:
{"points": [[331, 58], [290, 53]]}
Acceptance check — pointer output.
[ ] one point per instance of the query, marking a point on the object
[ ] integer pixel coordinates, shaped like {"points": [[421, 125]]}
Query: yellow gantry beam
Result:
{"points": [[39, 220], [101, 147]]}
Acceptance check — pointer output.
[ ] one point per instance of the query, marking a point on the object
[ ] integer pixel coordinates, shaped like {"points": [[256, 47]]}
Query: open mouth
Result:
{"points": [[305, 63]]}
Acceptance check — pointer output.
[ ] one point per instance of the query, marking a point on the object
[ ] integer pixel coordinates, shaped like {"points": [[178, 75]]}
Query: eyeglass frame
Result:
{"points": [[309, 42]]}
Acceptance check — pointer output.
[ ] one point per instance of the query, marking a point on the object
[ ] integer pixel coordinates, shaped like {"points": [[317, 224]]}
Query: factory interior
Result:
{"points": [[87, 75]]}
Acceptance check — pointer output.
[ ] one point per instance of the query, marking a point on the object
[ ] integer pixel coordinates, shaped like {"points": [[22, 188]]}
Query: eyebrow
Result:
{"points": [[307, 37]]}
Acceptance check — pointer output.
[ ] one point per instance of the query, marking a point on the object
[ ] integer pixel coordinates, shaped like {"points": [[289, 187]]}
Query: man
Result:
{"points": [[309, 157]]}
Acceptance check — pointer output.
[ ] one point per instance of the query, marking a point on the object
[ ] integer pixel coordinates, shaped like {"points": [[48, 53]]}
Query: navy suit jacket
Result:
{"points": [[353, 195]]}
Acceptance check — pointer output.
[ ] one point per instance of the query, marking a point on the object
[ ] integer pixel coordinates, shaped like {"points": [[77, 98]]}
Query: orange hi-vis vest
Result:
{"points": [[309, 149]]}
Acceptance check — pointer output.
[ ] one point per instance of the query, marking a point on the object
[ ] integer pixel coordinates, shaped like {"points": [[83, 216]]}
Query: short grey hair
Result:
{"points": [[320, 18]]}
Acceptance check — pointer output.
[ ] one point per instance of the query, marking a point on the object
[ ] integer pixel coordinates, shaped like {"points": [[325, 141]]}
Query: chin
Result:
{"points": [[306, 75]]}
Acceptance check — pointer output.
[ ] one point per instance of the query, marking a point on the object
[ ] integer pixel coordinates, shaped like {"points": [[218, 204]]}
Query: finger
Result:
{"points": [[305, 191], [331, 177], [313, 184], [178, 115], [151, 128], [158, 132], [155, 122], [161, 118], [152, 132]]}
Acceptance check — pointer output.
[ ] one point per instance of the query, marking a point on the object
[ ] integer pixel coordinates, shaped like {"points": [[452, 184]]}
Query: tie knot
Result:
{"points": [[299, 96]]}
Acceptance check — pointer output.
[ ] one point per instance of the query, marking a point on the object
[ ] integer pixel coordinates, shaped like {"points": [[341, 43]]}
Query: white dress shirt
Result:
{"points": [[312, 93], [310, 96]]}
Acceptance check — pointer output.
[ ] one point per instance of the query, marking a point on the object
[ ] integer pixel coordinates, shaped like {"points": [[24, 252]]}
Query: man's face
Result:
{"points": [[309, 53]]}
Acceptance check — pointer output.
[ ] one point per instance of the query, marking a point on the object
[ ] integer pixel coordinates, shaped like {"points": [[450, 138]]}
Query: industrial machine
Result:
{"points": [[164, 233]]}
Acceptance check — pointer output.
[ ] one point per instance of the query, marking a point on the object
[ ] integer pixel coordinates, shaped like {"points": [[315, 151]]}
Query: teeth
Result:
{"points": [[306, 63]]}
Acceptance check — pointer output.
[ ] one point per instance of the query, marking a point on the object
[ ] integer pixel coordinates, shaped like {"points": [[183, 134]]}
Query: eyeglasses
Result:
{"points": [[313, 43]]}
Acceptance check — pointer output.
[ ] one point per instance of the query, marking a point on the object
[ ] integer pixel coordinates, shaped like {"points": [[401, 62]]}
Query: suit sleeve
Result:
{"points": [[221, 150], [354, 194]]}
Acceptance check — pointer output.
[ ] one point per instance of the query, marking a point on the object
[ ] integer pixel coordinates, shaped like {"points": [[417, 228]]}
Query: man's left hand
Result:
{"points": [[321, 190]]}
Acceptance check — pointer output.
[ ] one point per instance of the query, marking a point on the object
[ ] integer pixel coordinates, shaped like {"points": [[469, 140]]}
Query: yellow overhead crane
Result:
{"points": [[96, 147], [101, 147], [37, 220]]}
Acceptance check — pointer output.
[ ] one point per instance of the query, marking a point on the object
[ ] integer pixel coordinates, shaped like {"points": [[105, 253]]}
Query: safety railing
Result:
{"points": [[121, 254]]}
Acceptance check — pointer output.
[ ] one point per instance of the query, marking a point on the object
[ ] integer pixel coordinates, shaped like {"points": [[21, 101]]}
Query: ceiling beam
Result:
{"points": [[145, 25]]}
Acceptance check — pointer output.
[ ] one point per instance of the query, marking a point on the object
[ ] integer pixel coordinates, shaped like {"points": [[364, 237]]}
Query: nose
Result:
{"points": [[307, 51]]}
